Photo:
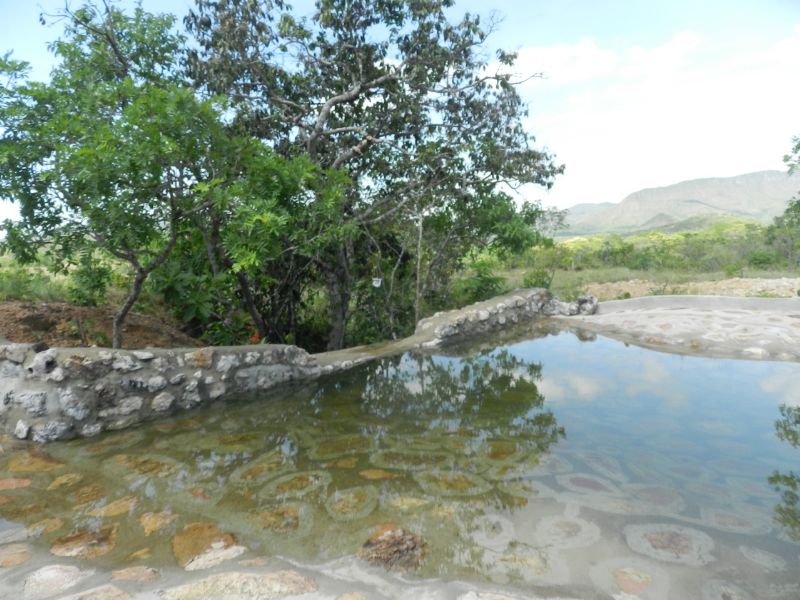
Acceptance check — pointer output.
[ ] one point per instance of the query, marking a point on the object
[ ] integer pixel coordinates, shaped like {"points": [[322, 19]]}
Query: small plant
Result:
{"points": [[89, 282], [538, 278]]}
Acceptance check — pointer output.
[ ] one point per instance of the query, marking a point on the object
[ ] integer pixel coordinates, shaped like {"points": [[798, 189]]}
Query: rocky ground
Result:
{"points": [[785, 287]]}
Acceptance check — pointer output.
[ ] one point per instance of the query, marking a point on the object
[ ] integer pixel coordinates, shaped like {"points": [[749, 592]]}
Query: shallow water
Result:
{"points": [[550, 465]]}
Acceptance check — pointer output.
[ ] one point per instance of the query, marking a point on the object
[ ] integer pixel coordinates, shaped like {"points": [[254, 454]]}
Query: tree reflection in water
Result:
{"points": [[489, 395], [787, 513]]}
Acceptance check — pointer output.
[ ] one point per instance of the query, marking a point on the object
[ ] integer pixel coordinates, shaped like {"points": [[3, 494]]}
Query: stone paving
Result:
{"points": [[722, 327]]}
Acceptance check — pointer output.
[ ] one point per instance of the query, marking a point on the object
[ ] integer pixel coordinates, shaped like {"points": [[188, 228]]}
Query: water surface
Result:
{"points": [[548, 465]]}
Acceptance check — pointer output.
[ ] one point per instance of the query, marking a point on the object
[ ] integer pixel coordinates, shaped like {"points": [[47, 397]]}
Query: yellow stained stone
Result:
{"points": [[86, 544], [378, 475], [45, 526], [64, 481], [152, 522], [89, 493], [33, 462], [116, 508], [346, 463], [196, 538], [407, 503], [284, 519], [142, 554]]}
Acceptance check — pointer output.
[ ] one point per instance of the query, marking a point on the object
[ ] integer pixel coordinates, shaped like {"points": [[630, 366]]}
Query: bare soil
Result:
{"points": [[63, 325]]}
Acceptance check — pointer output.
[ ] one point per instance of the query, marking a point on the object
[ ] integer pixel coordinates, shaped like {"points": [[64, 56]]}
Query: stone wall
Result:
{"points": [[63, 393], [499, 313], [50, 394]]}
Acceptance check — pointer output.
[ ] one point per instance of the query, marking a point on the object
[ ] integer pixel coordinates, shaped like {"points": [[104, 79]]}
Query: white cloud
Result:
{"points": [[625, 119]]}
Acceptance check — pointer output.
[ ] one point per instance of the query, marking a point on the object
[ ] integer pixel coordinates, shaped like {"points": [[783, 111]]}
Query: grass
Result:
{"points": [[30, 283], [569, 284]]}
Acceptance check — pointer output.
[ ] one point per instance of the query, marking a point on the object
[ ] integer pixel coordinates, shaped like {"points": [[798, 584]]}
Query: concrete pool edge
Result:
{"points": [[707, 326]]}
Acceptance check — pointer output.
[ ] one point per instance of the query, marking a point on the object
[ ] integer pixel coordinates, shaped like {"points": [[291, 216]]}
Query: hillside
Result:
{"points": [[754, 196]]}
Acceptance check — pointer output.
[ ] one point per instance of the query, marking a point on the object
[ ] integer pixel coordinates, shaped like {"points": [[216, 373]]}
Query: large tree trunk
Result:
{"points": [[338, 282]]}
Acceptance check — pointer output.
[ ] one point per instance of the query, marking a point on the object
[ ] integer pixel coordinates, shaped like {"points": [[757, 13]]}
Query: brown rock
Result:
{"points": [[14, 554], [156, 521], [202, 358], [393, 548], [11, 483], [196, 538], [138, 573], [86, 543], [116, 508]]}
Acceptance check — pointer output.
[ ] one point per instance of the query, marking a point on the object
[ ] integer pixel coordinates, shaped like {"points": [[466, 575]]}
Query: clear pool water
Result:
{"points": [[550, 465]]}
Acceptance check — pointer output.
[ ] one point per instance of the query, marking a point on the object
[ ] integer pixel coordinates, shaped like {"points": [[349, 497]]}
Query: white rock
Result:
{"points": [[21, 430], [163, 401], [215, 555], [51, 580], [244, 586]]}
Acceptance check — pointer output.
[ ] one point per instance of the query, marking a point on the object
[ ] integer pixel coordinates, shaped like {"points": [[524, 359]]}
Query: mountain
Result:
{"points": [[754, 197]]}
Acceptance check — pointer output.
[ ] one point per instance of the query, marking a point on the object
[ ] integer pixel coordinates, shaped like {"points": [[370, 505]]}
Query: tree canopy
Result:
{"points": [[314, 180]]}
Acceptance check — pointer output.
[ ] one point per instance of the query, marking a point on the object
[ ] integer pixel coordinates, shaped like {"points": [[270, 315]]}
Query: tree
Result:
{"points": [[399, 98], [115, 153], [784, 233]]}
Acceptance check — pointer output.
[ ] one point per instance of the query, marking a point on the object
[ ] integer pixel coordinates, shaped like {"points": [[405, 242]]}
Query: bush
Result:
{"points": [[89, 283]]}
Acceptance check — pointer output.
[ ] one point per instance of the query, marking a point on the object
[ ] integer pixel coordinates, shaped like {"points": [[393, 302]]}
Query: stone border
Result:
{"points": [[50, 394], [709, 326]]}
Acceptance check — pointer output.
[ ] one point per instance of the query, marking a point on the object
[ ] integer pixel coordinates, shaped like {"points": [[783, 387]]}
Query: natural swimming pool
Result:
{"points": [[547, 465]]}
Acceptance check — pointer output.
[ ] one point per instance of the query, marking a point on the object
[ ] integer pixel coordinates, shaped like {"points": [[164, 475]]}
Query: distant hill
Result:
{"points": [[753, 197]]}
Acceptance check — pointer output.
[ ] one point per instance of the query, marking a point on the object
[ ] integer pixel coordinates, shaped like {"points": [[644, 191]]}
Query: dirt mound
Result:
{"points": [[65, 325]]}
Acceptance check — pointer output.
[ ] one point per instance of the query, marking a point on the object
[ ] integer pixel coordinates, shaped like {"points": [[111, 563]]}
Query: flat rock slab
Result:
{"points": [[244, 586], [723, 327]]}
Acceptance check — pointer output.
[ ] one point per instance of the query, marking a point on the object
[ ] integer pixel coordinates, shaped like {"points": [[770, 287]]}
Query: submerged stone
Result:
{"points": [[152, 522], [102, 592], [352, 504], [14, 554], [66, 480], [262, 468], [452, 483], [116, 508], [45, 526], [244, 586], [196, 538], [566, 532], [86, 543], [292, 519], [33, 462], [340, 446], [393, 548], [670, 543], [378, 475], [587, 483], [767, 560], [51, 580], [716, 589], [147, 465], [411, 460], [296, 485], [13, 483]]}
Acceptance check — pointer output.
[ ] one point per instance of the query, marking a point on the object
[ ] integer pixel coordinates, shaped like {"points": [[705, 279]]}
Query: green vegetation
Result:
{"points": [[321, 181], [316, 181]]}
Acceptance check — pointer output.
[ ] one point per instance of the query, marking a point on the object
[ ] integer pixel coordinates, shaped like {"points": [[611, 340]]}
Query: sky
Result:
{"points": [[632, 93]]}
